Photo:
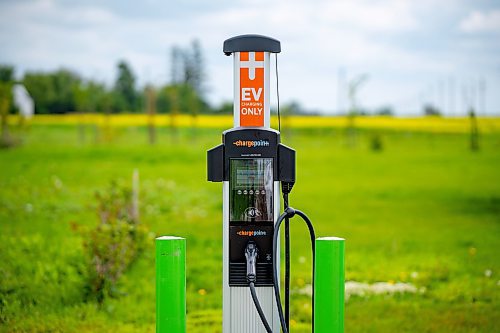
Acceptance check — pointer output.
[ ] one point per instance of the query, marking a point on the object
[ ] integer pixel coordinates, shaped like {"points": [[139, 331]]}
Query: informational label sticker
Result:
{"points": [[252, 89]]}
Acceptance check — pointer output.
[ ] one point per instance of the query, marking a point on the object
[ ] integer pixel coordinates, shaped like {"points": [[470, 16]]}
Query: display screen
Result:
{"points": [[249, 176], [251, 194]]}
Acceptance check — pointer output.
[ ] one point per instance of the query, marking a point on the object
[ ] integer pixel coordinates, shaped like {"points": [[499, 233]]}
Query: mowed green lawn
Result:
{"points": [[425, 210]]}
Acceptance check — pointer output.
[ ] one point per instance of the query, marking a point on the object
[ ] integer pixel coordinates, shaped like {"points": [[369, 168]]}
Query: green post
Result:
{"points": [[170, 284], [329, 285]]}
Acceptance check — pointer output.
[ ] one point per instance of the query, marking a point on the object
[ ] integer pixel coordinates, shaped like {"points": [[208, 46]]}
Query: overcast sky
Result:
{"points": [[445, 51]]}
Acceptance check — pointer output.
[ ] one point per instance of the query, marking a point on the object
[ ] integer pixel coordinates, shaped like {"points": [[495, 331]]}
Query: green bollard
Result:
{"points": [[329, 285], [170, 284]]}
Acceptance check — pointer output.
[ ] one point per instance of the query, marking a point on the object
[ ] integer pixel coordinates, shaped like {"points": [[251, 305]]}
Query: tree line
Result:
{"points": [[64, 90]]}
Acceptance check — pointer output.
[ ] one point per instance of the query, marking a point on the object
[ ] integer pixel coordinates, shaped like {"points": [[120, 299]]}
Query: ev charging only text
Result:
{"points": [[248, 107]]}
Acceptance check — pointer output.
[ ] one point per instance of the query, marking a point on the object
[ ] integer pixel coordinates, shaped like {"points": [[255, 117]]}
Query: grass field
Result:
{"points": [[423, 210]]}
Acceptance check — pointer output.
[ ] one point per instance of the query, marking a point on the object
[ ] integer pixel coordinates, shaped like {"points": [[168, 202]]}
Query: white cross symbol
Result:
{"points": [[251, 64]]}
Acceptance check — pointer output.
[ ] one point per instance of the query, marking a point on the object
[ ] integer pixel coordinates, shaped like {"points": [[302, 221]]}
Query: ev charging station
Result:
{"points": [[255, 169], [250, 162]]}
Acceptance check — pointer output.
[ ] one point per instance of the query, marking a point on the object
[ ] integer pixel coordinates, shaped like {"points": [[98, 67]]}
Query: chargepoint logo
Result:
{"points": [[251, 143], [252, 233]]}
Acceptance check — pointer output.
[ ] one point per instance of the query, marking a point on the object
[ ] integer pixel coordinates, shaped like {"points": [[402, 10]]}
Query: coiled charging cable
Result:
{"points": [[251, 253]]}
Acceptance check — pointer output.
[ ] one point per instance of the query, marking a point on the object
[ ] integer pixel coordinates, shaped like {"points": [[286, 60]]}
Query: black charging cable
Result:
{"points": [[290, 212], [251, 254], [286, 188], [287, 262]]}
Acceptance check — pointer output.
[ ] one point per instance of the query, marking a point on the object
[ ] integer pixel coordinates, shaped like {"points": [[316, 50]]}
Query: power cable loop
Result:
{"points": [[291, 212]]}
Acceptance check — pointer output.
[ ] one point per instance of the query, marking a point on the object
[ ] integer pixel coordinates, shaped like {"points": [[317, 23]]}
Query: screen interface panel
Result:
{"points": [[251, 190]]}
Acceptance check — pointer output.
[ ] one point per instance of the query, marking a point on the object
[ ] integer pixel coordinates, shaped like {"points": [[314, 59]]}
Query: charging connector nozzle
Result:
{"points": [[251, 253]]}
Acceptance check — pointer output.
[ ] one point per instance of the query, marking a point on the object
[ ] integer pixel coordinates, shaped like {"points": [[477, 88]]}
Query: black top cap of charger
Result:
{"points": [[251, 43]]}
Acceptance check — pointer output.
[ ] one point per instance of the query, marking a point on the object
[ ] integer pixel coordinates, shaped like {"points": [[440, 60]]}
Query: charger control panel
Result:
{"points": [[252, 162]]}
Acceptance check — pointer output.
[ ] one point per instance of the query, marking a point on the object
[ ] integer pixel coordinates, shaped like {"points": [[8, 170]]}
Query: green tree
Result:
{"points": [[6, 73], [40, 87], [187, 79], [126, 98], [6, 81], [199, 73], [5, 102], [194, 71], [385, 111], [431, 110], [7, 77], [179, 98], [163, 100], [64, 82], [53, 92], [90, 97]]}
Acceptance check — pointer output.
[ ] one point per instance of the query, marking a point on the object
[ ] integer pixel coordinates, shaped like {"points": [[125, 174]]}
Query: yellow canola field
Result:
{"points": [[421, 124]]}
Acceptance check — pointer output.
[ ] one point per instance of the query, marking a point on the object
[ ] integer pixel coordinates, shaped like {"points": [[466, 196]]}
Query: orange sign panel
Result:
{"points": [[252, 89]]}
